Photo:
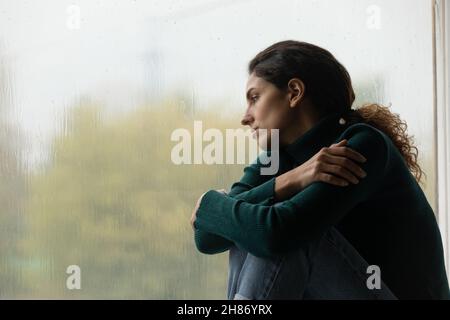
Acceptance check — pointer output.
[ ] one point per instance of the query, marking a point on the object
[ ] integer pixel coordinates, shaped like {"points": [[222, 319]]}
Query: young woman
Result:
{"points": [[344, 217]]}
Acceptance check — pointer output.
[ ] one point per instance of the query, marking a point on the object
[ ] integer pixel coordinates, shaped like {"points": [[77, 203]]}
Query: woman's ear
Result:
{"points": [[296, 92]]}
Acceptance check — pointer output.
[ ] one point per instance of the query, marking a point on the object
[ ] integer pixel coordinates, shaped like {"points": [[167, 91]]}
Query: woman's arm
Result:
{"points": [[252, 188], [334, 165], [271, 230], [337, 165]]}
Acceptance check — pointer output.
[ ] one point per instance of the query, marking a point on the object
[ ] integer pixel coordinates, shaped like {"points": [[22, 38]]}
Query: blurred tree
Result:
{"points": [[12, 188], [113, 203]]}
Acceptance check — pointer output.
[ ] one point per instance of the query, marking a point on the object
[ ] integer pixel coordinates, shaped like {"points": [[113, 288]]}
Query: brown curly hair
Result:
{"points": [[329, 86]]}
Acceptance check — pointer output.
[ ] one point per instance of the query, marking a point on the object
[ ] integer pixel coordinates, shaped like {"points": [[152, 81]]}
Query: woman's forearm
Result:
{"points": [[210, 243], [286, 186], [337, 165]]}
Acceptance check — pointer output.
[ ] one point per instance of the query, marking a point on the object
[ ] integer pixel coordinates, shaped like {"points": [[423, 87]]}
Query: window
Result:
{"points": [[442, 116], [90, 93]]}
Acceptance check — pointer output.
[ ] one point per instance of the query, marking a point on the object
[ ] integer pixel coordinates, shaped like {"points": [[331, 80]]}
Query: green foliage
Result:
{"points": [[112, 202]]}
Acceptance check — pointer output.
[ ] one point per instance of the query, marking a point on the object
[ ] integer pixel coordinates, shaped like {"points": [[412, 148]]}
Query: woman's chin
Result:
{"points": [[263, 143]]}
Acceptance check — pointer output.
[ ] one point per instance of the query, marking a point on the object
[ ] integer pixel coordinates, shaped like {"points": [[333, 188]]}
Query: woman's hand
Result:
{"points": [[197, 205], [337, 165]]}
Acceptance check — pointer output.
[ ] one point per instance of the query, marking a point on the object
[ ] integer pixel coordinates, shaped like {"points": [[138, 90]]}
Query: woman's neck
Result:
{"points": [[304, 122]]}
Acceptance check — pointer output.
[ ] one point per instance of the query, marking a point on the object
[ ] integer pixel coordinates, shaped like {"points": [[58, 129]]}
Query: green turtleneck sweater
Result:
{"points": [[386, 216]]}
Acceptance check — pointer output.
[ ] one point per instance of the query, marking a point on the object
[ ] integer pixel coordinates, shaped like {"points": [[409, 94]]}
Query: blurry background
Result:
{"points": [[90, 92]]}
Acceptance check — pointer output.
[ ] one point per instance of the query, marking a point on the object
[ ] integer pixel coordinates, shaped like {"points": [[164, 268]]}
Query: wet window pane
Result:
{"points": [[90, 93]]}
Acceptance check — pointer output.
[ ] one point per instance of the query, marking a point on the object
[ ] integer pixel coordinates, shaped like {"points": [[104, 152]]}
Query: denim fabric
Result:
{"points": [[329, 268]]}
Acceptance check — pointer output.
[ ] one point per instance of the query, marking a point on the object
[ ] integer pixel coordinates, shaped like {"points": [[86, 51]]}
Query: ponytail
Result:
{"points": [[395, 128]]}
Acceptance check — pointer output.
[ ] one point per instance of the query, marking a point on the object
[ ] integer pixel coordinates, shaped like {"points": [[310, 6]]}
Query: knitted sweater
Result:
{"points": [[386, 216]]}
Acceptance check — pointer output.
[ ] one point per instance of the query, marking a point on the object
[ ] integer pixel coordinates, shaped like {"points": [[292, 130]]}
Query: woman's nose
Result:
{"points": [[247, 119]]}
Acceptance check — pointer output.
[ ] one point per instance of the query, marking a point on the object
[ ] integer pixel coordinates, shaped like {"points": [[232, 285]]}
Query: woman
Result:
{"points": [[344, 217]]}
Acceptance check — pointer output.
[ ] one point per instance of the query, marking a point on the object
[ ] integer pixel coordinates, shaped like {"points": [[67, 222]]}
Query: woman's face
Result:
{"points": [[268, 108]]}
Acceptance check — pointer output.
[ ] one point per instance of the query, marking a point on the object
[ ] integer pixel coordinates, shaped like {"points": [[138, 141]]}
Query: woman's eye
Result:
{"points": [[254, 98]]}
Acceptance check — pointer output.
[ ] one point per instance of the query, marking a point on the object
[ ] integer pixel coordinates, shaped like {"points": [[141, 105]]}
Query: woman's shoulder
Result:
{"points": [[368, 133], [370, 142], [363, 127]]}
